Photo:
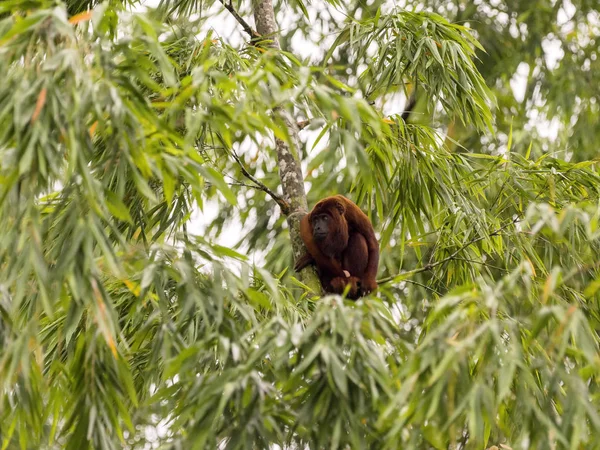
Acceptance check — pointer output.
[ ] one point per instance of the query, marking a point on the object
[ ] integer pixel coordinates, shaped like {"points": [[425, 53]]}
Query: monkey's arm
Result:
{"points": [[359, 221], [326, 264], [303, 261]]}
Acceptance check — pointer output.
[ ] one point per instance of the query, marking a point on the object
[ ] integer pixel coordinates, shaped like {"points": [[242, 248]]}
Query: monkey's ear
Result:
{"points": [[340, 207]]}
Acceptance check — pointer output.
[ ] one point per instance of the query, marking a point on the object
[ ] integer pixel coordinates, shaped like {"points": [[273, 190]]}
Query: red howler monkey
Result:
{"points": [[341, 242]]}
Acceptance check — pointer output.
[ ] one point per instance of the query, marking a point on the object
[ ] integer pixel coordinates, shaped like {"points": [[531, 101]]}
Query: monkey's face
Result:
{"points": [[321, 226]]}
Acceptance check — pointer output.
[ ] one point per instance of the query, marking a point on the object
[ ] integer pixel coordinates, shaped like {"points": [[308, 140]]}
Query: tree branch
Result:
{"points": [[429, 266], [285, 207], [290, 171], [247, 28]]}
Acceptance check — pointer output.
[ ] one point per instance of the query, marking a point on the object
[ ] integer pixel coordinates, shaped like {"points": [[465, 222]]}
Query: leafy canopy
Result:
{"points": [[126, 141]]}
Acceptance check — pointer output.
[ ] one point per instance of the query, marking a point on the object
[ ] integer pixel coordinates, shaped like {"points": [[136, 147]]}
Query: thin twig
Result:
{"points": [[483, 263], [423, 286], [240, 184], [430, 266], [247, 28], [285, 207]]}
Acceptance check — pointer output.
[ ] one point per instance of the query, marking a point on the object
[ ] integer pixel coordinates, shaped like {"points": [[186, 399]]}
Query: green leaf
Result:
{"points": [[117, 208], [217, 179]]}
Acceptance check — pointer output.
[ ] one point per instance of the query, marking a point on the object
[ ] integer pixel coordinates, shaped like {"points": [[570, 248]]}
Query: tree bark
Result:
{"points": [[290, 171]]}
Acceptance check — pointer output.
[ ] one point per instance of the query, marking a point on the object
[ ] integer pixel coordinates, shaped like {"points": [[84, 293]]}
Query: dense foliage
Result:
{"points": [[146, 291]]}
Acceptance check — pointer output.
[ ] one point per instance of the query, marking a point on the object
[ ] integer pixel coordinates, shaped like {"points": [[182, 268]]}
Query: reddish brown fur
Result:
{"points": [[350, 246]]}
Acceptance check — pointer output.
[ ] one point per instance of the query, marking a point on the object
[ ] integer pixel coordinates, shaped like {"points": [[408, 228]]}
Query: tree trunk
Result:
{"points": [[290, 172]]}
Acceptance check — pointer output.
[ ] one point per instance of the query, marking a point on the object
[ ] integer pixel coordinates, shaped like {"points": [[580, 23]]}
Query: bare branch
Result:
{"points": [[285, 207], [247, 28], [430, 266]]}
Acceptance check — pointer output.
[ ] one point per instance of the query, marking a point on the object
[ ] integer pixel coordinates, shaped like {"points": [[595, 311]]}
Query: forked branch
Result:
{"points": [[285, 207], [247, 28]]}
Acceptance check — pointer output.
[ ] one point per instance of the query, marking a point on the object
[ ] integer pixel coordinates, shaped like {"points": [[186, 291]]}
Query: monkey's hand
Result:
{"points": [[338, 285], [367, 286]]}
